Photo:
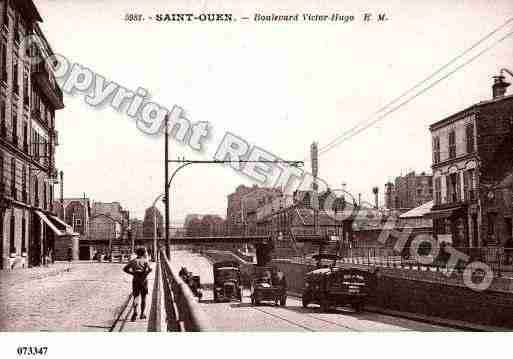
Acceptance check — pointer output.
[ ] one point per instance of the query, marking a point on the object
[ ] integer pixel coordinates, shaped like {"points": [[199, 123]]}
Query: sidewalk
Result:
{"points": [[10, 277]]}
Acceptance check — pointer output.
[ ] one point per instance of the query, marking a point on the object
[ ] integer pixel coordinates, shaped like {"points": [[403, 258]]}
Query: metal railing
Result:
{"points": [[499, 259], [182, 309]]}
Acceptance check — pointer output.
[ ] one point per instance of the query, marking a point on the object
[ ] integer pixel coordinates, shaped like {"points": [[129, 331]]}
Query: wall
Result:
{"points": [[428, 293]]}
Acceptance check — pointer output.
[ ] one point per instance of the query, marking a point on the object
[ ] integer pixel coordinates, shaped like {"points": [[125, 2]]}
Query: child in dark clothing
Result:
{"points": [[139, 268]]}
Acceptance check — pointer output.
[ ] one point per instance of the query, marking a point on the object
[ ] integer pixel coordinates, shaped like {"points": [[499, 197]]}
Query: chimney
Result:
{"points": [[499, 87], [375, 190]]}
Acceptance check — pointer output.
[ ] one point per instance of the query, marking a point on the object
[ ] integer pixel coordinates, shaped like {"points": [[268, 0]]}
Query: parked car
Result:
{"points": [[268, 284], [336, 286], [227, 281]]}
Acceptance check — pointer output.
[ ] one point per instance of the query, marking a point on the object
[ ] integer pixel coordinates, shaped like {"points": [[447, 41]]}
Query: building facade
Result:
{"points": [[108, 221], [29, 98], [150, 215], [243, 200], [409, 191], [468, 161]]}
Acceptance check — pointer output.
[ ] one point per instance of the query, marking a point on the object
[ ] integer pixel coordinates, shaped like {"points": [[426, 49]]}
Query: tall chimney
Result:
{"points": [[499, 87], [375, 190]]}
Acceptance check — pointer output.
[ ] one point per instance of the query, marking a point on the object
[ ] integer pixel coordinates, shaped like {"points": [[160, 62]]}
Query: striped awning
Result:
{"points": [[49, 223]]}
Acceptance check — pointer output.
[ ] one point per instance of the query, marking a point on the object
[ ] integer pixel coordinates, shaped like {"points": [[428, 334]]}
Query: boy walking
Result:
{"points": [[139, 268]]}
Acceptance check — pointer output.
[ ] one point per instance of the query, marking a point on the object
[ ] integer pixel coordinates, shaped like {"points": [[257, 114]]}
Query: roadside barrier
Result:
{"points": [[183, 313]]}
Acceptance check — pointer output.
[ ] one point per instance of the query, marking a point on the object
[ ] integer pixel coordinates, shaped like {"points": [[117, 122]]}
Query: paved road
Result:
{"points": [[245, 317], [87, 298]]}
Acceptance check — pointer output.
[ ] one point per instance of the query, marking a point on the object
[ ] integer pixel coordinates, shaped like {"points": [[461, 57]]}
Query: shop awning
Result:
{"points": [[49, 223], [63, 226], [444, 213]]}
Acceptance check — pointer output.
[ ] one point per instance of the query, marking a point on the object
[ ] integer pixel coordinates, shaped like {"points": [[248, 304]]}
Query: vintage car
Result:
{"points": [[338, 286], [227, 281], [267, 284]]}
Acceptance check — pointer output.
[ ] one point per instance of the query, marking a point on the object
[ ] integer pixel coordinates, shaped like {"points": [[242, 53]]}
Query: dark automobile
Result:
{"points": [[227, 281], [268, 284], [336, 286]]}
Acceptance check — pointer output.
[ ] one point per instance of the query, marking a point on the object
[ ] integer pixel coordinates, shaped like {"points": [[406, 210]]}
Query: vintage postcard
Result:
{"points": [[261, 166]]}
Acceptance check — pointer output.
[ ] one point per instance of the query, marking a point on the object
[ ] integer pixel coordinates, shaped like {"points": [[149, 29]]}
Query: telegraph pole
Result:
{"points": [[166, 187], [315, 170]]}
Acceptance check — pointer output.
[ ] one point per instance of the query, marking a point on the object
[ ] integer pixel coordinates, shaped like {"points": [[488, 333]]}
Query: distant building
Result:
{"points": [[136, 228], [409, 191], [149, 225], [472, 159], [204, 225], [108, 221], [76, 212], [244, 196]]}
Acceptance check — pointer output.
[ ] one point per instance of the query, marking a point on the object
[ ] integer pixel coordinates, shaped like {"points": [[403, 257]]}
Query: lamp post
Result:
{"points": [[155, 249]]}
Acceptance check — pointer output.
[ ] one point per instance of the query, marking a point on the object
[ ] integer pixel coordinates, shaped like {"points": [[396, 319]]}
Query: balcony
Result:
{"points": [[46, 82]]}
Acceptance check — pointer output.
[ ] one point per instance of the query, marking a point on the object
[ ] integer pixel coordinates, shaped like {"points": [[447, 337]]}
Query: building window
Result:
{"points": [[3, 116], [452, 144], [14, 128], [17, 29], [468, 185], [24, 183], [3, 61], [12, 247], [453, 187], [469, 132], [5, 16], [491, 223], [26, 93], [13, 178], [25, 137], [436, 149], [44, 196], [438, 190], [15, 86], [36, 192], [78, 222]]}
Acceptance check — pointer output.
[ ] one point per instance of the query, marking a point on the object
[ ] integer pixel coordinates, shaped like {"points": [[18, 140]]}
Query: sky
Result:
{"points": [[278, 86]]}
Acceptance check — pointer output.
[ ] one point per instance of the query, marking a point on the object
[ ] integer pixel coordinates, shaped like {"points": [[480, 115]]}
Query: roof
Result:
{"points": [[419, 211], [456, 116]]}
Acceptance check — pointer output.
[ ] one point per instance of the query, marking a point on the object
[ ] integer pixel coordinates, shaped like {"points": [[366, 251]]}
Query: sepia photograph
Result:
{"points": [[254, 167]]}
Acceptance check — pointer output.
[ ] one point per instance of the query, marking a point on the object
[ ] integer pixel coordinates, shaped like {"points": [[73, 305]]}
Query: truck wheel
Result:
{"points": [[283, 300], [325, 306], [305, 301], [358, 307], [215, 297]]}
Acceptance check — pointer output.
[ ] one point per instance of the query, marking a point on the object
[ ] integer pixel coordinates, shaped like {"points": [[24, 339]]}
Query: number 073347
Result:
{"points": [[28, 350]]}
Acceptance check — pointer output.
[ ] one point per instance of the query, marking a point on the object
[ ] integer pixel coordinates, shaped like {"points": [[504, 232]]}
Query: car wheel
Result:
{"points": [[283, 301], [252, 300]]}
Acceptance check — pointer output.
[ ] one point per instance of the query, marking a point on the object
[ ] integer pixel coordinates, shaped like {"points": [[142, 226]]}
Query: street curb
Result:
{"points": [[457, 324]]}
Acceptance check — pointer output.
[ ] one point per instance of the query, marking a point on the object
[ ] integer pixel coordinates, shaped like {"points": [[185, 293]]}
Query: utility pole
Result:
{"points": [[166, 187], [315, 196], [62, 193]]}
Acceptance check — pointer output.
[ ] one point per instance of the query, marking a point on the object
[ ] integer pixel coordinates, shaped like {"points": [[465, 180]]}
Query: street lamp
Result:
{"points": [[155, 249]]}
